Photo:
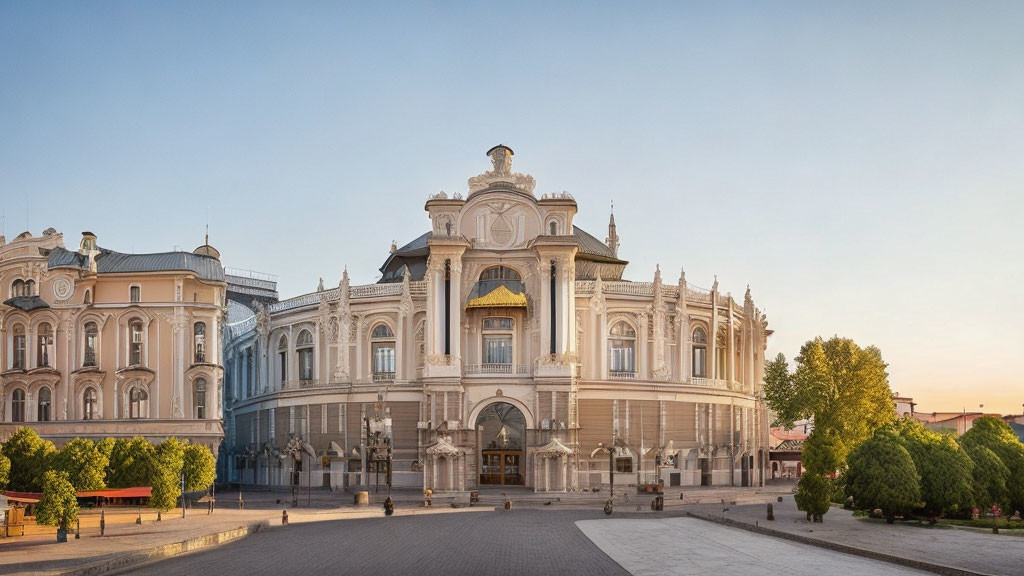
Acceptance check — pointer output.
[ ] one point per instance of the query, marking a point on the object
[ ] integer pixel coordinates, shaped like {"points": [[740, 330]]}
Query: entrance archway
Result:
{"points": [[502, 433]]}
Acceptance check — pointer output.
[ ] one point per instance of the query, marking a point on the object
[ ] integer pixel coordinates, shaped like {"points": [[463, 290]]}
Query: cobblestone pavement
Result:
{"points": [[692, 547], [966, 549], [486, 542]]}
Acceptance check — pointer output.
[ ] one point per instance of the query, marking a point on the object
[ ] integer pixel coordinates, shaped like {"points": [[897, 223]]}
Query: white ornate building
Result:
{"points": [[508, 350]]}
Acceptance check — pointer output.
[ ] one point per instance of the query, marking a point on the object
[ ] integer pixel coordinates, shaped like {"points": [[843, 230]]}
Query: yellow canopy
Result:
{"points": [[500, 297]]}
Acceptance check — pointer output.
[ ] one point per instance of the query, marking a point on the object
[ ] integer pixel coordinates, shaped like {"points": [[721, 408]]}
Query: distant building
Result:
{"points": [[956, 422], [904, 405], [100, 343]]}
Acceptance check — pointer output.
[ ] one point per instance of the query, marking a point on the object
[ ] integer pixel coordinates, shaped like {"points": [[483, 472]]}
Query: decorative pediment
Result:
{"points": [[553, 448], [444, 447]]}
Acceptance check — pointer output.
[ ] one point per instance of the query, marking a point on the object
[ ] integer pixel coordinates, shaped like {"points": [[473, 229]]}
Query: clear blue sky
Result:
{"points": [[860, 165]]}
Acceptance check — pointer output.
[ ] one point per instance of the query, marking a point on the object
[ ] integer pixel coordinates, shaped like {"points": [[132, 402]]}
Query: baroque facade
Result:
{"points": [[501, 347], [98, 343]]}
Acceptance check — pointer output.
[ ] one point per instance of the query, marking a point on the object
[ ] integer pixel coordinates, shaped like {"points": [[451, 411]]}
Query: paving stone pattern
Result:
{"points": [[494, 543], [692, 547]]}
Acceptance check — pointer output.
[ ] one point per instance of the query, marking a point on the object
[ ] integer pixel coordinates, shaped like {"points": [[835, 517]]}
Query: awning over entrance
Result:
{"points": [[554, 448], [500, 297]]}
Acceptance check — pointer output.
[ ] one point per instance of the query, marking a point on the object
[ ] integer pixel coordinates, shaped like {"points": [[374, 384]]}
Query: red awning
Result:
{"points": [[136, 492]]}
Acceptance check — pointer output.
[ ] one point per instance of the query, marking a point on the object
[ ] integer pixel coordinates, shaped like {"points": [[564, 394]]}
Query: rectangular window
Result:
{"points": [[135, 293], [700, 363], [497, 349], [305, 364], [284, 367], [621, 357], [497, 323], [383, 358], [624, 465], [19, 351]]}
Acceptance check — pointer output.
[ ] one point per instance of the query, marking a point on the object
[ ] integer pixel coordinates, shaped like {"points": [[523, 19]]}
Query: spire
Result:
{"points": [[613, 237]]}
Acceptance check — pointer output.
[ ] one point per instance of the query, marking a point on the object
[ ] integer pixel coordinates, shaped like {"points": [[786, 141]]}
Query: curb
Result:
{"points": [[871, 554], [132, 559]]}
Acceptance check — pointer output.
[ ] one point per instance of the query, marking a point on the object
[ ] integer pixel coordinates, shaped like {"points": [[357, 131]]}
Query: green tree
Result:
{"points": [[131, 463], [85, 465], [779, 392], [30, 458], [58, 506], [947, 483], [997, 436], [880, 474], [989, 478], [5, 469], [844, 388], [167, 468], [812, 496], [200, 467], [106, 446]]}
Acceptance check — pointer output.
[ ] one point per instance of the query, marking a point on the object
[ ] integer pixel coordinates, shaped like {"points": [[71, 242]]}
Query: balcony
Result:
{"points": [[489, 369], [383, 376], [622, 375]]}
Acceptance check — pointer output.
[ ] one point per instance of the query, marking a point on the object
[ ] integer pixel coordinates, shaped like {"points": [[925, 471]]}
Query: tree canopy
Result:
{"points": [[58, 506], [844, 388], [200, 467], [5, 469], [84, 463], [997, 436], [989, 478], [30, 457], [946, 471], [131, 463], [880, 474]]}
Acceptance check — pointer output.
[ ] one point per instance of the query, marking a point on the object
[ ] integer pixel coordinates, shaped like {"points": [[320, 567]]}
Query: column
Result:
{"points": [[359, 350], [455, 329], [400, 347]]}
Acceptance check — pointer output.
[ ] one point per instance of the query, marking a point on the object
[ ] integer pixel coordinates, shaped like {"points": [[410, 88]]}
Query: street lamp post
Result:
{"points": [[183, 492]]}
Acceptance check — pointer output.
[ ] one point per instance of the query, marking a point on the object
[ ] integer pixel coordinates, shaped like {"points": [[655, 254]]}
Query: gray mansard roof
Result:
{"points": [[591, 248], [108, 261]]}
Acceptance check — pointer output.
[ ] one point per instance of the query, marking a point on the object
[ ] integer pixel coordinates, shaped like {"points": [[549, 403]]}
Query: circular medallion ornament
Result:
{"points": [[63, 288]]}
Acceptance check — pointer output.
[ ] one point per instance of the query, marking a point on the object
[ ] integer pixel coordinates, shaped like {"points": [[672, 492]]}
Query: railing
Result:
{"points": [[383, 376], [375, 290], [622, 375], [520, 369]]}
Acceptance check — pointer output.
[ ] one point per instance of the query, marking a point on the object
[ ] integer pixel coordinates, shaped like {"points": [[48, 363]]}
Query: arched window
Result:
{"points": [[92, 334], [554, 228], [30, 288], [499, 273], [282, 353], [304, 351], [382, 346], [135, 342], [18, 405], [200, 398], [44, 349], [497, 344], [199, 334], [89, 404], [18, 360], [88, 297], [700, 353], [17, 288], [138, 403], [622, 350], [43, 405]]}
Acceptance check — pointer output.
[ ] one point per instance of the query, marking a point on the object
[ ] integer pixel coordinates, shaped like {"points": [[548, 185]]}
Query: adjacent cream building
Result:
{"points": [[98, 343], [501, 347]]}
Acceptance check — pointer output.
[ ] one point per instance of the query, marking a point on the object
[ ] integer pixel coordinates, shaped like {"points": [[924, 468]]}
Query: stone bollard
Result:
{"points": [[103, 522], [780, 499], [389, 506], [508, 505], [138, 520], [361, 499], [284, 517], [771, 511], [608, 507], [78, 529]]}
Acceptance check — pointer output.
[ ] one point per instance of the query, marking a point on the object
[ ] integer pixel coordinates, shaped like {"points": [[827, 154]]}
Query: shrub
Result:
{"points": [[58, 506], [881, 474], [30, 458], [812, 495]]}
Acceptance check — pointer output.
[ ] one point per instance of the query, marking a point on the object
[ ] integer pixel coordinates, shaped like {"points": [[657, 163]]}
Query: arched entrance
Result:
{"points": [[502, 433]]}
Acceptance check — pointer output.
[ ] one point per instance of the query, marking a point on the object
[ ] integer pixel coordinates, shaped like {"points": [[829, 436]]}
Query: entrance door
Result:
{"points": [[502, 430], [705, 472]]}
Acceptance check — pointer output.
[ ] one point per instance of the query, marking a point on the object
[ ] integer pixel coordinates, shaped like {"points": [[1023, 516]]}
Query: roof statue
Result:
{"points": [[501, 162]]}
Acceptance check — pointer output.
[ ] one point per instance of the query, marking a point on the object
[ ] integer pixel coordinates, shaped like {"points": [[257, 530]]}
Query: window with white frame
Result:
{"points": [[135, 293], [199, 336], [622, 349], [304, 352], [282, 353], [199, 401], [43, 401], [18, 359], [91, 339], [135, 342], [138, 402], [89, 405], [497, 340], [44, 347], [700, 353], [382, 346], [18, 405]]}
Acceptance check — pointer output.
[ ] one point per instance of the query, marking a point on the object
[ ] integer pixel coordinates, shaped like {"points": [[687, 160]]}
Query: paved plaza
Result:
{"points": [[692, 547]]}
